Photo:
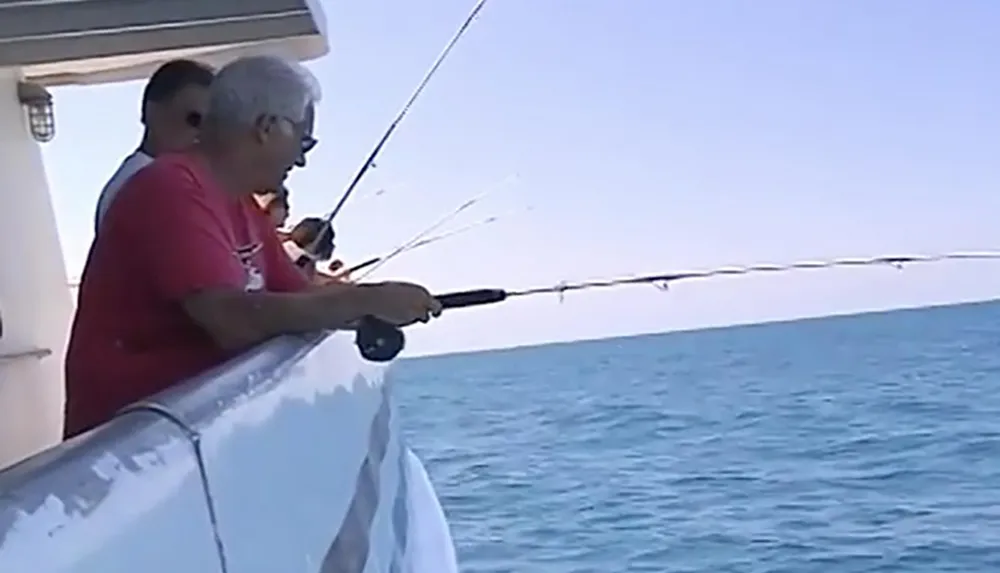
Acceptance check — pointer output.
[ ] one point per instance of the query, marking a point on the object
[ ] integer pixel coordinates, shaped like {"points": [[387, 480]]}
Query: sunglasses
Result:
{"points": [[306, 141], [194, 119]]}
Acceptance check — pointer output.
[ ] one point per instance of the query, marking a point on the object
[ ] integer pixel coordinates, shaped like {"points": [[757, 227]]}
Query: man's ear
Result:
{"points": [[145, 112], [262, 129]]}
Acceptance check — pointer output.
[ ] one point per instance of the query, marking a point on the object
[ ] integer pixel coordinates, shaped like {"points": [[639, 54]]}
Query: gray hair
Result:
{"points": [[254, 86]]}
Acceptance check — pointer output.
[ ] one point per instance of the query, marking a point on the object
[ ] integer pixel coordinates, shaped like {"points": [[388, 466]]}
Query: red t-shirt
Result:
{"points": [[172, 231]]}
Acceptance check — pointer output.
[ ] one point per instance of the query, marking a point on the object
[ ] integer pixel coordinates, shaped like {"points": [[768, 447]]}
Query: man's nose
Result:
{"points": [[308, 143]]}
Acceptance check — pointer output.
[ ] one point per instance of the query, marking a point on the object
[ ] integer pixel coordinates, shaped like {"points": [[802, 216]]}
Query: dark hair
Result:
{"points": [[305, 232], [172, 77]]}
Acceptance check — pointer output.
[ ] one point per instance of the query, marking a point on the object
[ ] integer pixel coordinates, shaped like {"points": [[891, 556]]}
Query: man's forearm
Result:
{"points": [[238, 320]]}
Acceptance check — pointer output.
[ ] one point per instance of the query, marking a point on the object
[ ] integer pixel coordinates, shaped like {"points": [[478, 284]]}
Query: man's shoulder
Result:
{"points": [[128, 167], [172, 168], [170, 178], [167, 188]]}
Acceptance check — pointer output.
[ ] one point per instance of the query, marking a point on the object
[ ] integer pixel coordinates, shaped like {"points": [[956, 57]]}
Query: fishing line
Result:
{"points": [[414, 244], [382, 345], [466, 298], [419, 239], [371, 195], [441, 222], [370, 161], [452, 233]]}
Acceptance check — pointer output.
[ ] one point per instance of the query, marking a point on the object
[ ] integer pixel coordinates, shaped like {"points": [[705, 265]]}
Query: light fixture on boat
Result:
{"points": [[37, 101]]}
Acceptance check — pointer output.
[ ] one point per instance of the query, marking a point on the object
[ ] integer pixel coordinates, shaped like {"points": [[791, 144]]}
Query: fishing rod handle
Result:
{"points": [[468, 298], [379, 341]]}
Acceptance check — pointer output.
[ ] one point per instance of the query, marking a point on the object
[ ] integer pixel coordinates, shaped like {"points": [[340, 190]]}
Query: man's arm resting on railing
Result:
{"points": [[186, 257], [236, 319]]}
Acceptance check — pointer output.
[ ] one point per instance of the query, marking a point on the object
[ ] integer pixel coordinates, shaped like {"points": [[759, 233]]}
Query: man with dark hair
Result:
{"points": [[172, 107]]}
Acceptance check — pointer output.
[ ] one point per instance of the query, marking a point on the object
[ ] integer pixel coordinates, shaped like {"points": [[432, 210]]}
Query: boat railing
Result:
{"points": [[288, 458]]}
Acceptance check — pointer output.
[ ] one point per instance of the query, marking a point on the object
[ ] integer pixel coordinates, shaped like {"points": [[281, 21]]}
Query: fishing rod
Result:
{"points": [[371, 324], [379, 344], [370, 160]]}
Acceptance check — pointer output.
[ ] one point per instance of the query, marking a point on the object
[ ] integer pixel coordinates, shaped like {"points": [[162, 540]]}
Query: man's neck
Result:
{"points": [[148, 147], [228, 173]]}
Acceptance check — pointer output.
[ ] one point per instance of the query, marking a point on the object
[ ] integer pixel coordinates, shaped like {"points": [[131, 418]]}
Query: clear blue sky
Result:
{"points": [[649, 135]]}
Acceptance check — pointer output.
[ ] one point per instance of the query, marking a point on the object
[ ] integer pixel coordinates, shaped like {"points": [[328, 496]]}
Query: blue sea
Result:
{"points": [[866, 443]]}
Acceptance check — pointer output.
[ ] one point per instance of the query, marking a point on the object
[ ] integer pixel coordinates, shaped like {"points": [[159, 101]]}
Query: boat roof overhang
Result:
{"points": [[59, 42]]}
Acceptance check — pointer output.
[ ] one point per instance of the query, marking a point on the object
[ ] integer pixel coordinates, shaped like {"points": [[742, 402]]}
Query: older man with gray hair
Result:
{"points": [[187, 272]]}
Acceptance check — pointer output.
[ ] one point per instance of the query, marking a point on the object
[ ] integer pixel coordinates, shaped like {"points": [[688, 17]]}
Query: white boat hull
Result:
{"points": [[292, 458]]}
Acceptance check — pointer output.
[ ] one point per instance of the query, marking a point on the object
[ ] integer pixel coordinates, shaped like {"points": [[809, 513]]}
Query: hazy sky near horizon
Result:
{"points": [[648, 135]]}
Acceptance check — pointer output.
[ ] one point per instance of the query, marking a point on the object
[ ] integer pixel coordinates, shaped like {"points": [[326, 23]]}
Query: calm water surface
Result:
{"points": [[855, 444]]}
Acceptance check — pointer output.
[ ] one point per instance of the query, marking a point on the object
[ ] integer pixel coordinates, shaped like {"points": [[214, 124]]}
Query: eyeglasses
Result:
{"points": [[308, 142]]}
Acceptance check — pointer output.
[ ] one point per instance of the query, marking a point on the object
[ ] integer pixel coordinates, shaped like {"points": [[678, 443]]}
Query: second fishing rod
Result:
{"points": [[369, 162], [386, 331]]}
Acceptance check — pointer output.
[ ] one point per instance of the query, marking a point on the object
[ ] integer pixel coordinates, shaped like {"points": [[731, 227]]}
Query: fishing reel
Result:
{"points": [[379, 341]]}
